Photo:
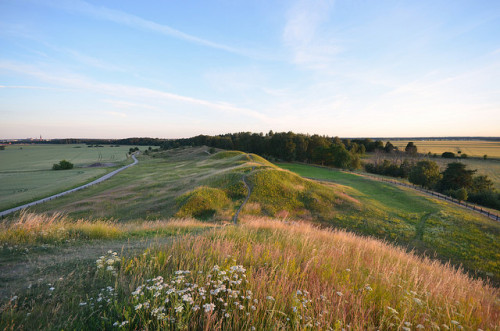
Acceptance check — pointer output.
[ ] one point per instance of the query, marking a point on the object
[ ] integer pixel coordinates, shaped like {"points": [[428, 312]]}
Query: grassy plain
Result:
{"points": [[26, 170], [476, 148], [264, 275]]}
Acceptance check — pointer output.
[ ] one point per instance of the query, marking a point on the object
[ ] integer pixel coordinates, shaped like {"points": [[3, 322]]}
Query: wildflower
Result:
{"points": [[52, 289], [209, 307], [299, 292], [420, 326], [270, 298], [116, 323], [123, 324], [14, 298], [226, 315], [253, 308], [294, 309], [179, 309], [394, 311], [404, 328], [83, 303], [139, 306], [339, 294], [196, 308], [417, 301], [455, 322]]}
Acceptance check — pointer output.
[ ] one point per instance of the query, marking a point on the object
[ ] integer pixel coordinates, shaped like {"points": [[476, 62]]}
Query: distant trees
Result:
{"points": [[425, 174], [2, 147], [411, 148], [448, 155], [288, 146], [456, 176], [62, 165]]}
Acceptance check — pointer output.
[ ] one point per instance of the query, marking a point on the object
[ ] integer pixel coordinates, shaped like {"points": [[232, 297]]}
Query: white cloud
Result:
{"points": [[311, 46], [120, 17], [81, 82]]}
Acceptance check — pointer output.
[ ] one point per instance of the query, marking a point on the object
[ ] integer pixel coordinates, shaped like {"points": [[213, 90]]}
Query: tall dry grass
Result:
{"points": [[32, 229], [318, 279]]}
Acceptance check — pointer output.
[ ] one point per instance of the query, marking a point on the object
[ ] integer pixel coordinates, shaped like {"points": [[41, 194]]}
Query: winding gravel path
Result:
{"points": [[97, 181]]}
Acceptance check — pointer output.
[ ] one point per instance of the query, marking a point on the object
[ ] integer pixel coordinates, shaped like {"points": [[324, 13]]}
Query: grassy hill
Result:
{"points": [[263, 274], [192, 183]]}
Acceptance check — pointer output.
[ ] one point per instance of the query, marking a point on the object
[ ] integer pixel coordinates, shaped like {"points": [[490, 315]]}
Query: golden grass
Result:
{"points": [[334, 279], [32, 229]]}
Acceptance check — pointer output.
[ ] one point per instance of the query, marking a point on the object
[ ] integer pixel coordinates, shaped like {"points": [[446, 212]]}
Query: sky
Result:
{"points": [[171, 69]]}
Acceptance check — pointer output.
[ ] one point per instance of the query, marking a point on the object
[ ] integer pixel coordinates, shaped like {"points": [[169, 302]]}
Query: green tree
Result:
{"points": [[425, 174], [411, 148], [389, 148], [481, 184], [456, 176]]}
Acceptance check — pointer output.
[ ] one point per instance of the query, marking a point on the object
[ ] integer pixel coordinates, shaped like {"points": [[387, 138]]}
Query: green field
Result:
{"points": [[476, 148], [26, 170]]}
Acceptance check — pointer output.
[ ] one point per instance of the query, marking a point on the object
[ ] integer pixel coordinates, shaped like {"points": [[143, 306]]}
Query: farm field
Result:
{"points": [[475, 148], [26, 170]]}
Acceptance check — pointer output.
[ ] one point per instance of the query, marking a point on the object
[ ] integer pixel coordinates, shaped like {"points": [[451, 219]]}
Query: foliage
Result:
{"points": [[287, 146], [425, 173], [456, 176], [411, 148], [448, 155], [63, 165]]}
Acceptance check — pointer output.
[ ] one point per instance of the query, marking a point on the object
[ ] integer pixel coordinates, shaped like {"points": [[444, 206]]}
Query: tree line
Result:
{"points": [[288, 146]]}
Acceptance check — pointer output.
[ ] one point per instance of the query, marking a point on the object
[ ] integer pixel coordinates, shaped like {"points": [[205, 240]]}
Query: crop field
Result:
{"points": [[471, 148], [26, 170]]}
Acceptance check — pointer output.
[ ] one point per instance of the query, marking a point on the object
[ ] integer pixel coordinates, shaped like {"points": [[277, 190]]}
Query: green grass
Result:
{"points": [[151, 191], [263, 274], [419, 222], [26, 170]]}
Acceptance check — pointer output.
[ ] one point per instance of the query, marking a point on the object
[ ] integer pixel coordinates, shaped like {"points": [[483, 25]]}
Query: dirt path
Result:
{"points": [[17, 273], [99, 180]]}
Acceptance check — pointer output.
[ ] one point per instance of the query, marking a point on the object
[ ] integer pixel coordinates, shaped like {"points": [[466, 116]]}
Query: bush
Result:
{"points": [[486, 198], [62, 165], [448, 155]]}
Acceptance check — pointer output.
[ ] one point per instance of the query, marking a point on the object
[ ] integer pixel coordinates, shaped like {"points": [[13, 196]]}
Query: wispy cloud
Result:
{"points": [[123, 18], [302, 33], [82, 82]]}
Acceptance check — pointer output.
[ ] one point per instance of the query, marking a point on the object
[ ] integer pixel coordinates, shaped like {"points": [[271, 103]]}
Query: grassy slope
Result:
{"points": [[169, 185], [289, 276], [403, 216], [26, 174]]}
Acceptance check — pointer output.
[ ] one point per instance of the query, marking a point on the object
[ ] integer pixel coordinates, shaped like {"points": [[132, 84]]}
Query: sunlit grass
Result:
{"points": [[34, 229], [263, 275]]}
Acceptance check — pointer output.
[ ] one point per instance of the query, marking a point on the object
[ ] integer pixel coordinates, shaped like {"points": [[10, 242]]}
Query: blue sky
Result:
{"points": [[114, 69]]}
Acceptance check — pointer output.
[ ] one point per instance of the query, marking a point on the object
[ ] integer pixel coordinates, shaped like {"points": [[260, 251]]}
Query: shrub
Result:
{"points": [[448, 155], [62, 165]]}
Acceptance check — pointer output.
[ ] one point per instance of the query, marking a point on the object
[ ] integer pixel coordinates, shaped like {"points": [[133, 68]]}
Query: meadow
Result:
{"points": [[190, 182], [155, 247], [263, 274], [26, 170], [475, 148]]}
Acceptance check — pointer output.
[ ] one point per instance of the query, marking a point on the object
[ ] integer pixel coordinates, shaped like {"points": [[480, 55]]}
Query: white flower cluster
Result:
{"points": [[108, 262], [222, 291]]}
